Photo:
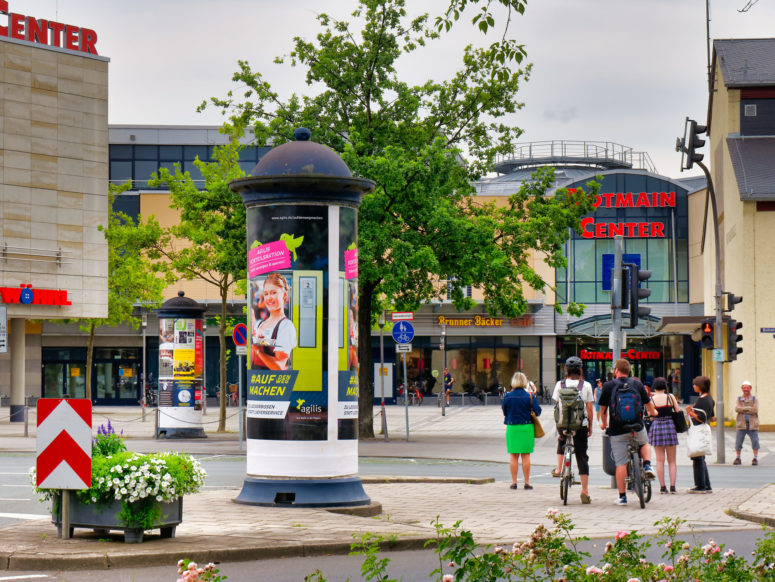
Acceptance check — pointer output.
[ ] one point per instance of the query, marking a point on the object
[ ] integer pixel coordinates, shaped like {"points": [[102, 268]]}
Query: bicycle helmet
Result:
{"points": [[573, 364]]}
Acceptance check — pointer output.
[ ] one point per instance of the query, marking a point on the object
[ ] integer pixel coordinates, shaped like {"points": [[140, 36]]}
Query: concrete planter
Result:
{"points": [[104, 518]]}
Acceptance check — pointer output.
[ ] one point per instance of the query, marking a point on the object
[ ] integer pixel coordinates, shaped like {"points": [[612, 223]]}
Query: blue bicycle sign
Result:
{"points": [[403, 332]]}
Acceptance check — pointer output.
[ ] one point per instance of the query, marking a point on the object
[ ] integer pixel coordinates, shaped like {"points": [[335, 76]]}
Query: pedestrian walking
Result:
{"points": [[701, 412], [662, 435], [747, 423], [520, 433], [448, 381]]}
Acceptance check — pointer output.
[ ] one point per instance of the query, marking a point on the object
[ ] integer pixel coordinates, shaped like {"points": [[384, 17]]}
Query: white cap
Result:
{"points": [[746, 383]]}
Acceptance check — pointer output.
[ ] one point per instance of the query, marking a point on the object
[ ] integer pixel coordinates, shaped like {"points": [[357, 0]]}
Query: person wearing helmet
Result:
{"points": [[573, 379]]}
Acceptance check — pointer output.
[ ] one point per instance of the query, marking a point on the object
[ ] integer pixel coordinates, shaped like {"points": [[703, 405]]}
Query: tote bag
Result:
{"points": [[679, 420], [698, 440], [539, 429]]}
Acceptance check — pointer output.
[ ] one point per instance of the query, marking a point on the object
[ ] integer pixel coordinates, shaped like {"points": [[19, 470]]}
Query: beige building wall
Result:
{"points": [[158, 204], [54, 177], [748, 256]]}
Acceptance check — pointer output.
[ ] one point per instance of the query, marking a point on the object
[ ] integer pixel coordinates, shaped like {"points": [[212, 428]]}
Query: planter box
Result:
{"points": [[103, 518]]}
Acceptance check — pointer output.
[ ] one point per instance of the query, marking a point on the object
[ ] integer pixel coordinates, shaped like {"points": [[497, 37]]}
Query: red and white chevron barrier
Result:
{"points": [[64, 443]]}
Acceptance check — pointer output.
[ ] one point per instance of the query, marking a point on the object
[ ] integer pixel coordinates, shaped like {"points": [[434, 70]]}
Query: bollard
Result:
{"points": [[156, 423]]}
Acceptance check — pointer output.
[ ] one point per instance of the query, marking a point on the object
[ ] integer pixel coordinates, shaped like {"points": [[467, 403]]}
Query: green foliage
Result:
{"points": [[374, 567], [208, 243], [423, 145], [107, 442], [552, 554], [139, 482]]}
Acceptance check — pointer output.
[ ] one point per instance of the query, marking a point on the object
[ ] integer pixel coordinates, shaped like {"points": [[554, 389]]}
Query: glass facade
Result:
{"points": [[138, 162], [476, 362], [660, 245]]}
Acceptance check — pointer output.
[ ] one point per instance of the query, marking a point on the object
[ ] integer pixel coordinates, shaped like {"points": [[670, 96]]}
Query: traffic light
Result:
{"points": [[732, 338], [732, 300], [707, 334], [694, 143], [634, 293]]}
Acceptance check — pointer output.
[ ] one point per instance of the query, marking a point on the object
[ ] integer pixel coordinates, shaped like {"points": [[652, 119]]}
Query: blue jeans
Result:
{"points": [[701, 477]]}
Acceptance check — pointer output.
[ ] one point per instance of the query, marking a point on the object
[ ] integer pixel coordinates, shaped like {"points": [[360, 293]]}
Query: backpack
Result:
{"points": [[570, 409], [626, 406]]}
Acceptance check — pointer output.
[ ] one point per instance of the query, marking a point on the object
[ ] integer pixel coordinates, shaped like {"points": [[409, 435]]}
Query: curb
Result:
{"points": [[153, 555]]}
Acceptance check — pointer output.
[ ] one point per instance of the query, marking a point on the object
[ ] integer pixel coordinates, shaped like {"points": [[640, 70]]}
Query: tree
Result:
{"points": [[208, 242], [135, 277], [423, 145]]}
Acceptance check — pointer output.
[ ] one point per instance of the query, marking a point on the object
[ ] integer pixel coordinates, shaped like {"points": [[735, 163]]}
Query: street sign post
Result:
{"points": [[64, 448], [402, 316], [3, 329], [240, 334], [403, 332]]}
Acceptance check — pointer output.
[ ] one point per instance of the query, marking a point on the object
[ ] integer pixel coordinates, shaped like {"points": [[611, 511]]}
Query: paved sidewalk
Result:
{"points": [[215, 528]]}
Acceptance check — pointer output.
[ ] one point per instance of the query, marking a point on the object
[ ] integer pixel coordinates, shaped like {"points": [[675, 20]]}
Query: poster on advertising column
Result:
{"points": [[288, 267], [180, 362], [347, 417]]}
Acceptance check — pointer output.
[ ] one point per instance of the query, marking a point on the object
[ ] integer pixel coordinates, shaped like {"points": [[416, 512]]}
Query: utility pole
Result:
{"points": [[616, 299], [688, 146]]}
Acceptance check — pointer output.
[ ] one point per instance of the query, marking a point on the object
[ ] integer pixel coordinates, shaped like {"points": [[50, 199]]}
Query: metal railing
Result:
{"points": [[603, 154]]}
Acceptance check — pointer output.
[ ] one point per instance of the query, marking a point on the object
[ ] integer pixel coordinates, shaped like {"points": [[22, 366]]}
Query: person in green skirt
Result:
{"points": [[520, 434]]}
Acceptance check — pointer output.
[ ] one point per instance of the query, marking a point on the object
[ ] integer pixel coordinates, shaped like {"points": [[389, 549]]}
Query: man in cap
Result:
{"points": [[747, 423]]}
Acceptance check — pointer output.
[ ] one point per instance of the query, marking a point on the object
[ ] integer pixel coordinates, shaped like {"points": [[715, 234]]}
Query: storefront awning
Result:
{"points": [[600, 326], [683, 324]]}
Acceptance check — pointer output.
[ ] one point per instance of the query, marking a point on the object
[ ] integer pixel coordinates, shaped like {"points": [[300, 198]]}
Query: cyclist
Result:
{"points": [[573, 379], [620, 435]]}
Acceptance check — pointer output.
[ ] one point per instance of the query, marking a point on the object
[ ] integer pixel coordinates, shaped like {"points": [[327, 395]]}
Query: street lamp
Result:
{"points": [[144, 375], [443, 390], [381, 323]]}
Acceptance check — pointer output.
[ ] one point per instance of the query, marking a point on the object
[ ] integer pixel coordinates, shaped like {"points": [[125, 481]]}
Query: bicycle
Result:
{"points": [[566, 473], [636, 478]]}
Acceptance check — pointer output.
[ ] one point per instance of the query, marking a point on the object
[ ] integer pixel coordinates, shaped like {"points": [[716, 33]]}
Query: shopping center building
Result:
{"points": [[59, 154]]}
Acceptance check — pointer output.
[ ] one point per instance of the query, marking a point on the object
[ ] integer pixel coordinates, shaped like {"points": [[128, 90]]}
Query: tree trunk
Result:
{"points": [[365, 388], [89, 359], [222, 361]]}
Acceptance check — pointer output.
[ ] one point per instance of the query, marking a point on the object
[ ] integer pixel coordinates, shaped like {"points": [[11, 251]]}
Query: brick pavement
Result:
{"points": [[215, 528]]}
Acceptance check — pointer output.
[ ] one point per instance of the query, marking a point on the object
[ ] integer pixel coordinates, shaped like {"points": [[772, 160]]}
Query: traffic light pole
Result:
{"points": [[720, 453], [616, 289]]}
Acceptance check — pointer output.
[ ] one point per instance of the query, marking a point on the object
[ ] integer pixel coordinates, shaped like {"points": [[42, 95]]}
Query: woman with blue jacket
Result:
{"points": [[520, 434]]}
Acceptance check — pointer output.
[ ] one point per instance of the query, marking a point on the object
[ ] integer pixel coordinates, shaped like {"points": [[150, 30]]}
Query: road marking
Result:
{"points": [[16, 499], [14, 473], [24, 516], [27, 577]]}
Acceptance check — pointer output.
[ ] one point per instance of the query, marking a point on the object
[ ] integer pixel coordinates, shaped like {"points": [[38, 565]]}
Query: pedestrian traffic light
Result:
{"points": [[707, 334], [693, 143], [634, 293], [732, 300], [732, 338]]}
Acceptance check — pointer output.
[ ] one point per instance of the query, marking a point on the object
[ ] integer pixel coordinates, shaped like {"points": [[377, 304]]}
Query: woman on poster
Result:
{"points": [[274, 337]]}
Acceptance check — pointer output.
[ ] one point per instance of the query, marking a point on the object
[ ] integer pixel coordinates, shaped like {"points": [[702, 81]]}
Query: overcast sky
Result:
{"points": [[624, 71]]}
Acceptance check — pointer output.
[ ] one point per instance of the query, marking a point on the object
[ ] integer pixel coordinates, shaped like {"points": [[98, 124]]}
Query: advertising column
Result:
{"points": [[181, 368], [302, 394]]}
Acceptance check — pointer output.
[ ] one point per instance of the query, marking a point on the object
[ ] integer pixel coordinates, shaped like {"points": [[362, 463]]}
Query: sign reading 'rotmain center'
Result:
{"points": [[635, 229], [48, 32]]}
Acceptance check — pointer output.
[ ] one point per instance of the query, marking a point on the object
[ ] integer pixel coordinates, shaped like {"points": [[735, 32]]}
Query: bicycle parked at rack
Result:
{"points": [[477, 397], [566, 473], [636, 477]]}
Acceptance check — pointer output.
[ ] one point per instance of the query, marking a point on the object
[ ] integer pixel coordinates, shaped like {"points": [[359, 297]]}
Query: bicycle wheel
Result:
{"points": [[648, 491], [564, 484], [637, 480]]}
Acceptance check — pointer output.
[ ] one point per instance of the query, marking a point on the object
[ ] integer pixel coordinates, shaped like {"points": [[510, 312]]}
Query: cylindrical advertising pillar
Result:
{"points": [[181, 368], [302, 392]]}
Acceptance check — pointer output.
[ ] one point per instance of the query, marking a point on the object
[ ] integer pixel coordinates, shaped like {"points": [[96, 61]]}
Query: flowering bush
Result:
{"points": [[139, 481], [190, 572], [553, 554]]}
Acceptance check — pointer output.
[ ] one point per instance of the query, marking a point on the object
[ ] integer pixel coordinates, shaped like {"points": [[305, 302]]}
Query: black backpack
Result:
{"points": [[626, 405]]}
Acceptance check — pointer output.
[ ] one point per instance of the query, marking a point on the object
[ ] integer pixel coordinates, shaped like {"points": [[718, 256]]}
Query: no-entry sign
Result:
{"points": [[64, 443]]}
